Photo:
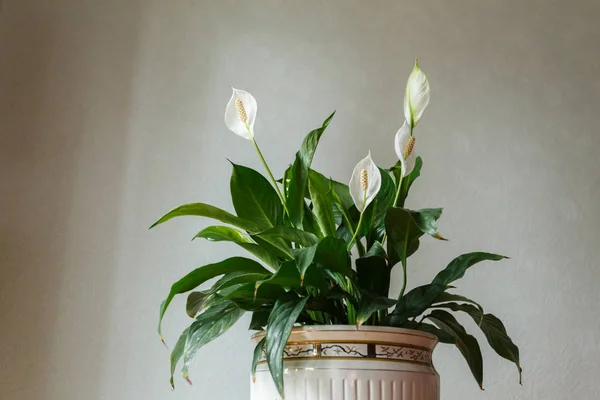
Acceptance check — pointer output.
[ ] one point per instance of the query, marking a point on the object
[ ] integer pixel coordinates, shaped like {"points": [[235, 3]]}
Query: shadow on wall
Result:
{"points": [[65, 80]]}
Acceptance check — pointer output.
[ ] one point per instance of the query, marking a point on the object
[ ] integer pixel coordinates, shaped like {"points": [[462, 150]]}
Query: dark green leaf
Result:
{"points": [[254, 198], [257, 355], [466, 343], [443, 337], [494, 331], [330, 253], [408, 180], [287, 276], [373, 274], [249, 298], [203, 274], [259, 319], [225, 233], [177, 353], [208, 326], [281, 321], [405, 227], [413, 303], [323, 209], [297, 236], [206, 210], [369, 304], [457, 268], [385, 196], [340, 191], [447, 297], [299, 176]]}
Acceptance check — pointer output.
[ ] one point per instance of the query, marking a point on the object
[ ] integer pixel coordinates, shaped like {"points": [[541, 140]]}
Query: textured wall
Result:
{"points": [[111, 113]]}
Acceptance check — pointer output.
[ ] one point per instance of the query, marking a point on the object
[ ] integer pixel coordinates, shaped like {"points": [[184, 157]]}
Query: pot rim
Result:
{"points": [[354, 328]]}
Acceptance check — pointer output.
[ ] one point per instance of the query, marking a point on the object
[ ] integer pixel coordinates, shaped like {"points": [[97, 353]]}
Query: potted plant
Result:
{"points": [[327, 329]]}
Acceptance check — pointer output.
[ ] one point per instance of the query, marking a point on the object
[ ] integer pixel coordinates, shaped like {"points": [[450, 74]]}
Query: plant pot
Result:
{"points": [[343, 362]]}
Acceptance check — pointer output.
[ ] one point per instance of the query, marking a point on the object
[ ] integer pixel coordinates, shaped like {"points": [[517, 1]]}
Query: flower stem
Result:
{"points": [[359, 222], [269, 172]]}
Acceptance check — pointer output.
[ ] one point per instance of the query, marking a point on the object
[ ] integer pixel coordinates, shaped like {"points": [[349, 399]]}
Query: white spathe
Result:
{"points": [[373, 179], [416, 98], [232, 117], [400, 143]]}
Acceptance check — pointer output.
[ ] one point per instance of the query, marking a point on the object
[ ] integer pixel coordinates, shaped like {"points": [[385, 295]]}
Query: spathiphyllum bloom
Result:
{"points": [[405, 149], [416, 97], [240, 113], [365, 183]]}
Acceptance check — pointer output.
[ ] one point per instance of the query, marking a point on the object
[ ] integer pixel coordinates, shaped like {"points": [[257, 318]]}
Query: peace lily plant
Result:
{"points": [[304, 229]]}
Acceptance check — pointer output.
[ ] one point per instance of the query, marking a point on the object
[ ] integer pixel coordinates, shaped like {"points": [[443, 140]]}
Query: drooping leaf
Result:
{"points": [[465, 343], [457, 267], [415, 302], [443, 336], [249, 298], [203, 274], [405, 227], [297, 236], [446, 297], [259, 319], [300, 170], [494, 331], [177, 353], [206, 210], [208, 326], [369, 304], [281, 321], [254, 198], [226, 233], [257, 355], [323, 209]]}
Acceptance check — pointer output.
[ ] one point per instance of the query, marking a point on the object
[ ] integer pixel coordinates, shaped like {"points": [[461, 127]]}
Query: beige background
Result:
{"points": [[111, 114]]}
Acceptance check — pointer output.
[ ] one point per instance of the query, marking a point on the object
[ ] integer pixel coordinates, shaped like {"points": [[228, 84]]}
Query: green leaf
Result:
{"points": [[408, 180], [281, 321], [330, 253], [203, 274], [494, 331], [457, 268], [450, 297], [177, 353], [415, 302], [259, 319], [405, 227], [443, 337], [300, 170], [297, 236], [323, 209], [254, 198], [373, 274], [369, 304], [206, 210], [195, 302], [465, 343], [208, 326], [340, 191], [256, 356], [228, 234], [287, 276], [249, 298]]}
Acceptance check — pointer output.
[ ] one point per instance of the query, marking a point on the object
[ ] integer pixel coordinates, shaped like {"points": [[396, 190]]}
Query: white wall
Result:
{"points": [[111, 114]]}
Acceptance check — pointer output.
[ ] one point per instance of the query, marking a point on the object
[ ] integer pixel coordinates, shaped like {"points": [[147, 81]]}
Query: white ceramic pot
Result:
{"points": [[341, 362]]}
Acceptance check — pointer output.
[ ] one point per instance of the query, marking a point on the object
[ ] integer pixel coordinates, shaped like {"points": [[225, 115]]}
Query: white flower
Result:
{"points": [[416, 97], [404, 145], [365, 183], [240, 114]]}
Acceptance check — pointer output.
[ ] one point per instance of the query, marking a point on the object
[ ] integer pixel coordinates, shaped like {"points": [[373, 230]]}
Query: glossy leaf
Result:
{"points": [[287, 276], [208, 326], [340, 191], [405, 227], [206, 210], [195, 302], [259, 319], [446, 297], [300, 170], [249, 298], [226, 233], [254, 198], [177, 353], [281, 321], [465, 343], [443, 336], [408, 180], [323, 209], [291, 235], [257, 355], [457, 268], [415, 302], [494, 331], [369, 304], [203, 274], [330, 253], [373, 274]]}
